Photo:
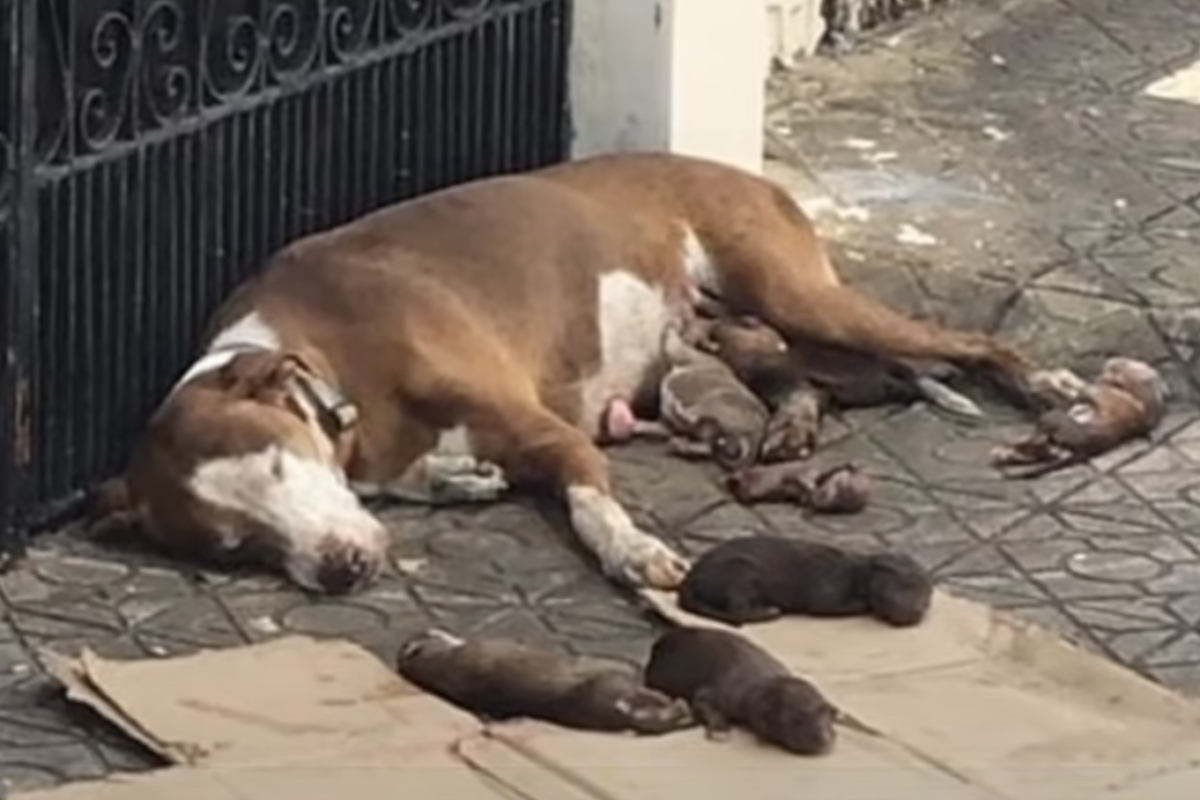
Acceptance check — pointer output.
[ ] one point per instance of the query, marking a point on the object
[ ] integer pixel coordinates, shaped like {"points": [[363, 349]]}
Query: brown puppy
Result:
{"points": [[705, 411], [762, 360], [807, 377], [1127, 401], [502, 679], [728, 680], [760, 578], [843, 489], [794, 428]]}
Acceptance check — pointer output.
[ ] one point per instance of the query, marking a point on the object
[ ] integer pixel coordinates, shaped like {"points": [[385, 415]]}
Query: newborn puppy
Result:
{"points": [[728, 680], [843, 489], [761, 360], [839, 376], [757, 353], [795, 426], [502, 679], [760, 578], [1127, 401], [704, 410]]}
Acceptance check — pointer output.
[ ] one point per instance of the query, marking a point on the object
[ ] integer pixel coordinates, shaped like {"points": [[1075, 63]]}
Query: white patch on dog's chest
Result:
{"points": [[699, 266], [632, 316]]}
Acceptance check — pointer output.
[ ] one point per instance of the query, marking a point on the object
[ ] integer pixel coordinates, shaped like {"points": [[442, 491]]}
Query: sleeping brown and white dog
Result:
{"points": [[485, 324]]}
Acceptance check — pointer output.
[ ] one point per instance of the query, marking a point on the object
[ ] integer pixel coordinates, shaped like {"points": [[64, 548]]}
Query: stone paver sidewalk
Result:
{"points": [[996, 164]]}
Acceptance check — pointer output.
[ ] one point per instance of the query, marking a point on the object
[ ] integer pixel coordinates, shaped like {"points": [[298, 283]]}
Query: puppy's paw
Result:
{"points": [[718, 734], [1056, 388], [651, 712]]}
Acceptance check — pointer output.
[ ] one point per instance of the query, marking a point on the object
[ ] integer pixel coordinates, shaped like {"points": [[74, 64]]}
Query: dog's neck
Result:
{"points": [[335, 412]]}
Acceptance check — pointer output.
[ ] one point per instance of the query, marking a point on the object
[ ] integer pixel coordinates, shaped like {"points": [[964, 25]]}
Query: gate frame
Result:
{"points": [[18, 286], [26, 507]]}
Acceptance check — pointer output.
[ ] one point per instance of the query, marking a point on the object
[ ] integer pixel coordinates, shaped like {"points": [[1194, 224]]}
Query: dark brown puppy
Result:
{"points": [[842, 489], [831, 375], [759, 578], [761, 359], [794, 429], [730, 681], [1127, 401], [503, 679]]}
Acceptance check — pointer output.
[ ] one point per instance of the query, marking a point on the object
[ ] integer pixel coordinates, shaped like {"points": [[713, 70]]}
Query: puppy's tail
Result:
{"points": [[689, 602]]}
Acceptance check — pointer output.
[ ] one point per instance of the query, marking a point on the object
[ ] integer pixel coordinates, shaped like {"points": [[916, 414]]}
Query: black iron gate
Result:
{"points": [[154, 151]]}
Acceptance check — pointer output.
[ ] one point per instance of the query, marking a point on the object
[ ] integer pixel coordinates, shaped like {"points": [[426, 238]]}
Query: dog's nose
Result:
{"points": [[732, 452], [345, 570]]}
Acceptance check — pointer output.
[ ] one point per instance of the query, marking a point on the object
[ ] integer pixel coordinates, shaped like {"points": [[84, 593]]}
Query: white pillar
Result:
{"points": [[680, 75]]}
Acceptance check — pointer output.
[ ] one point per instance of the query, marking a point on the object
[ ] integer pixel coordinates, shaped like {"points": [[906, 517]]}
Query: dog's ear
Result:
{"points": [[110, 509], [261, 376], [706, 342], [109, 497]]}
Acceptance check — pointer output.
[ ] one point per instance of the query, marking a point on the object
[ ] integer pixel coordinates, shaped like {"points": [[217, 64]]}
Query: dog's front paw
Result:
{"points": [[467, 488], [652, 564]]}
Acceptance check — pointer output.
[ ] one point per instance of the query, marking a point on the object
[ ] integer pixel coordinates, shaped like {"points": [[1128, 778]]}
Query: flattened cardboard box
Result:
{"points": [[996, 701], [970, 706], [293, 718]]}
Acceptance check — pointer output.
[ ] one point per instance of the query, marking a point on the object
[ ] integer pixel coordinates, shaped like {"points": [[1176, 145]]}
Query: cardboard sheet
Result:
{"points": [[971, 705], [686, 764], [292, 718], [1011, 707]]}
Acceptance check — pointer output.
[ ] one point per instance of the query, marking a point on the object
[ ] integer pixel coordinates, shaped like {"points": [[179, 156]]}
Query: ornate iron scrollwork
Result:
{"points": [[293, 37], [102, 70], [407, 17], [232, 50], [167, 69], [348, 26]]}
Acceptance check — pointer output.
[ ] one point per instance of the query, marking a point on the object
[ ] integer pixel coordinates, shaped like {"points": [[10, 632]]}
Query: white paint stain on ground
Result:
{"points": [[881, 157], [911, 234], [824, 207], [1182, 85]]}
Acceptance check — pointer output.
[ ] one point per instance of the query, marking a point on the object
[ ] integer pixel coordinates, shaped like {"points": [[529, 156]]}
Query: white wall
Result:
{"points": [[680, 75]]}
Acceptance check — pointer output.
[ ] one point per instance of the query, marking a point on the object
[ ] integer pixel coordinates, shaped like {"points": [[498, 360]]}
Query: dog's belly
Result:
{"points": [[632, 317]]}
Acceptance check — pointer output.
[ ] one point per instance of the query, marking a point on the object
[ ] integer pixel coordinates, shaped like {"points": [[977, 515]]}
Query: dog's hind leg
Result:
{"points": [[782, 277]]}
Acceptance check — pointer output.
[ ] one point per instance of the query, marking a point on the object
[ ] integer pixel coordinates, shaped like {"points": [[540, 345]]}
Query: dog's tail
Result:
{"points": [[109, 508]]}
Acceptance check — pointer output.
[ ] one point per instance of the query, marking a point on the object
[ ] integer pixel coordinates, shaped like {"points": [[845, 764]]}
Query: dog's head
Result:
{"points": [[245, 461], [755, 351], [1139, 379], [734, 443], [792, 713], [898, 589]]}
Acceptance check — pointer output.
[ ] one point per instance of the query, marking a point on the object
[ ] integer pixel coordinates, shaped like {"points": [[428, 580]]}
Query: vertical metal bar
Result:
{"points": [[9, 259], [19, 282], [564, 30]]}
